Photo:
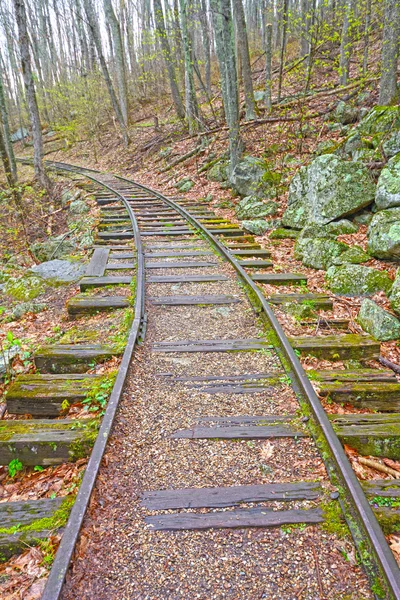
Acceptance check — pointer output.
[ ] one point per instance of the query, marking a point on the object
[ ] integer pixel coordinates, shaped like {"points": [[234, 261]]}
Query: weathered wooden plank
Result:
{"points": [[370, 434], [248, 419], [338, 347], [46, 395], [227, 232], [319, 301], [119, 266], [87, 283], [324, 324], [383, 397], [185, 232], [122, 256], [98, 262], [388, 518], [72, 358], [279, 278], [171, 245], [388, 488], [256, 252], [81, 305], [220, 497], [15, 543], [46, 442], [190, 300], [244, 432], [185, 278], [379, 375], [167, 253], [236, 378], [254, 517], [255, 264], [211, 345], [179, 265], [26, 512], [115, 235]]}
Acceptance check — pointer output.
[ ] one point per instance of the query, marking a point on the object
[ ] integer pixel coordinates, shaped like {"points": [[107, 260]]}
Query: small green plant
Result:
{"points": [[285, 379], [38, 468], [14, 467], [98, 395], [48, 552], [385, 501]]}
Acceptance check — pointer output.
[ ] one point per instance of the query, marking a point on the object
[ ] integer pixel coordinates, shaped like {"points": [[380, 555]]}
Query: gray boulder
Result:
{"points": [[380, 119], [218, 172], [6, 357], [378, 322], [356, 280], [388, 188], [59, 271], [250, 207], [395, 293], [318, 253], [256, 226], [327, 189], [384, 234], [345, 113], [55, 247], [252, 177], [354, 255], [363, 218], [184, 185], [391, 146]]}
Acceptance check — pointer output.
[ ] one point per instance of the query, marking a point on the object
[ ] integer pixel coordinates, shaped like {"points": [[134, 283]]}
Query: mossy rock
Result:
{"points": [[388, 188], [345, 114], [25, 288], [318, 253], [55, 247], [253, 208], [78, 207], [364, 217], [283, 234], [254, 177], [384, 234], [395, 294], [378, 322], [380, 119], [354, 255], [256, 226], [184, 185], [325, 147], [299, 311], [391, 146], [26, 307], [357, 280], [327, 189], [218, 172]]}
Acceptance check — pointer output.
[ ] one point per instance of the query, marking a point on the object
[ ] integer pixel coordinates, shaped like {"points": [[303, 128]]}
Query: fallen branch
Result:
{"points": [[181, 159], [387, 363], [374, 464]]}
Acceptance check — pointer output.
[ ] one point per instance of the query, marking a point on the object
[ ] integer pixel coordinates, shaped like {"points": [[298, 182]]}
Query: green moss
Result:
{"points": [[57, 520], [334, 521]]}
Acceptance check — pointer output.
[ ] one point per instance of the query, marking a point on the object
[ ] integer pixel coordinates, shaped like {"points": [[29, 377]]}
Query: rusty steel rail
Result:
{"points": [[369, 539]]}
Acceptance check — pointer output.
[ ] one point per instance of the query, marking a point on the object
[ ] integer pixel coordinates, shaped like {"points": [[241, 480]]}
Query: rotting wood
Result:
{"points": [[220, 497], [254, 517]]}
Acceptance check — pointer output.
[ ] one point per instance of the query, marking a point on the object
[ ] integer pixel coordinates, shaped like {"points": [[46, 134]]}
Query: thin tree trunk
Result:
{"points": [[243, 53], [20, 15], [366, 36], [119, 58], [346, 43], [206, 43], [7, 133], [192, 109], [91, 17], [268, 66], [166, 50], [388, 90], [283, 46], [223, 23]]}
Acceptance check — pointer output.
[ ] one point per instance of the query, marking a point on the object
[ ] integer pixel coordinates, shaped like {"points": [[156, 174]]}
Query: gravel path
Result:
{"points": [[120, 557]]}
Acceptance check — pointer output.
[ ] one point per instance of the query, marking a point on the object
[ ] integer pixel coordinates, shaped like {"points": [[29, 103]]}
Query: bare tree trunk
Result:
{"points": [[160, 25], [223, 23], [206, 44], [192, 109], [268, 66], [346, 43], [305, 26], [6, 127], [91, 17], [243, 53], [388, 89], [20, 15], [119, 58], [283, 46], [366, 36]]}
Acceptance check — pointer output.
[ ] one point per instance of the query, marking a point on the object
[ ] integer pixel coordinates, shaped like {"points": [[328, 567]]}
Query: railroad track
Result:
{"points": [[181, 245]]}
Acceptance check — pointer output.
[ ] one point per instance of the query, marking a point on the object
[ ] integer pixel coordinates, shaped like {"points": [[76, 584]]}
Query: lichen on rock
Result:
{"points": [[250, 207], [384, 234], [378, 322], [253, 177], [357, 280], [388, 188], [327, 189]]}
